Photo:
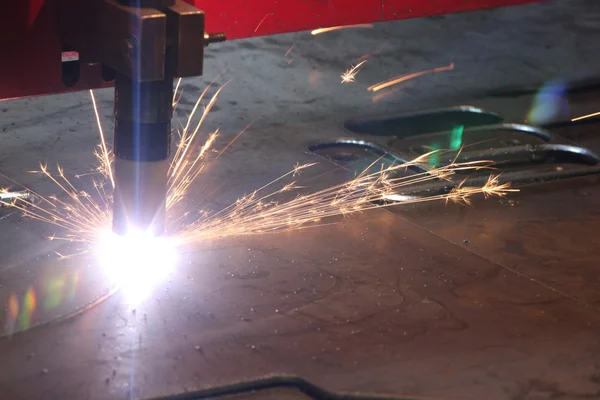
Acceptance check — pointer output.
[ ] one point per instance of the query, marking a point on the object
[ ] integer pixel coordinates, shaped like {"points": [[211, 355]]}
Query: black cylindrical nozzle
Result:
{"points": [[143, 112]]}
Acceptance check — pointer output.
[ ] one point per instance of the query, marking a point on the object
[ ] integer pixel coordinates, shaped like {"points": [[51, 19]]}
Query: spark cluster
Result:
{"points": [[377, 186], [86, 217], [137, 261], [82, 206]]}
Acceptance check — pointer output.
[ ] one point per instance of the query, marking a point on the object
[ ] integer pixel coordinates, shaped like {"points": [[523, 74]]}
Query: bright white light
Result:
{"points": [[136, 262]]}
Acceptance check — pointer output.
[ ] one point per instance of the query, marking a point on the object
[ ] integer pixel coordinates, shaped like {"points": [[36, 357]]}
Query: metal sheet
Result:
{"points": [[374, 303], [547, 232]]}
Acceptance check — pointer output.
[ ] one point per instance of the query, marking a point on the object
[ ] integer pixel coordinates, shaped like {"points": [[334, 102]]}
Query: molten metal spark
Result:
{"points": [[83, 215], [232, 141], [585, 116], [350, 75], [336, 28], [463, 194], [404, 78], [287, 53], [367, 55], [105, 156], [186, 165], [261, 22]]}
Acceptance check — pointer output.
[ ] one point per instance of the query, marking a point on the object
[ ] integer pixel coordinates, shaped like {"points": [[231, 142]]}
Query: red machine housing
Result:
{"points": [[31, 51]]}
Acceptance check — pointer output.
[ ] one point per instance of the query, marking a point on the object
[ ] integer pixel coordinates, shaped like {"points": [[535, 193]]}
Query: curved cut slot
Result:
{"points": [[351, 151], [406, 125]]}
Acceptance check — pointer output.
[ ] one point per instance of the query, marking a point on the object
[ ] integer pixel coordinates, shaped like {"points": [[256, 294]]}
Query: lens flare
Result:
{"points": [[549, 103]]}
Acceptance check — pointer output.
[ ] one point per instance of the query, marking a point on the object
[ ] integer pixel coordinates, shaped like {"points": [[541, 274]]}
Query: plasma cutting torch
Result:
{"points": [[143, 45], [140, 46]]}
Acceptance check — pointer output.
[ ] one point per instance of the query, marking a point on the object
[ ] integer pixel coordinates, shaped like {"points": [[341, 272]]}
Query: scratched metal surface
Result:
{"points": [[454, 320], [547, 232], [374, 303]]}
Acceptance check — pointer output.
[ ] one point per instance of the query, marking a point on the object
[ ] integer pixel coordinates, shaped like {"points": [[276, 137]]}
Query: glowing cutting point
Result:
{"points": [[136, 262]]}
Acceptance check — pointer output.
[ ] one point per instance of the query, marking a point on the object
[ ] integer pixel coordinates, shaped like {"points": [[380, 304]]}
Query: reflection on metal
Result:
{"points": [[348, 150], [19, 320], [420, 123], [552, 154], [538, 154], [516, 178], [528, 130], [258, 388], [6, 197], [521, 154], [474, 138], [456, 138]]}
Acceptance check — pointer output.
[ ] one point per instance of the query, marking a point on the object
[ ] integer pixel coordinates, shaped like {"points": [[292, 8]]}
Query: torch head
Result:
{"points": [[146, 43]]}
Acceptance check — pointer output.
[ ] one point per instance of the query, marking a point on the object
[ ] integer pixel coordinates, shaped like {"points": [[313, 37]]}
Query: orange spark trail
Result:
{"points": [[261, 22], [276, 206], [177, 94], [585, 116], [186, 138], [263, 210], [335, 28], [366, 56], [383, 95], [234, 139], [105, 153], [404, 78], [287, 53]]}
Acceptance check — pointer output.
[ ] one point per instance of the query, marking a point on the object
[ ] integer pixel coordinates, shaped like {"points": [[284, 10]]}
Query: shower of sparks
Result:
{"points": [[336, 28], [350, 75], [190, 151], [262, 212], [86, 216], [404, 78], [137, 261], [280, 205], [585, 116]]}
